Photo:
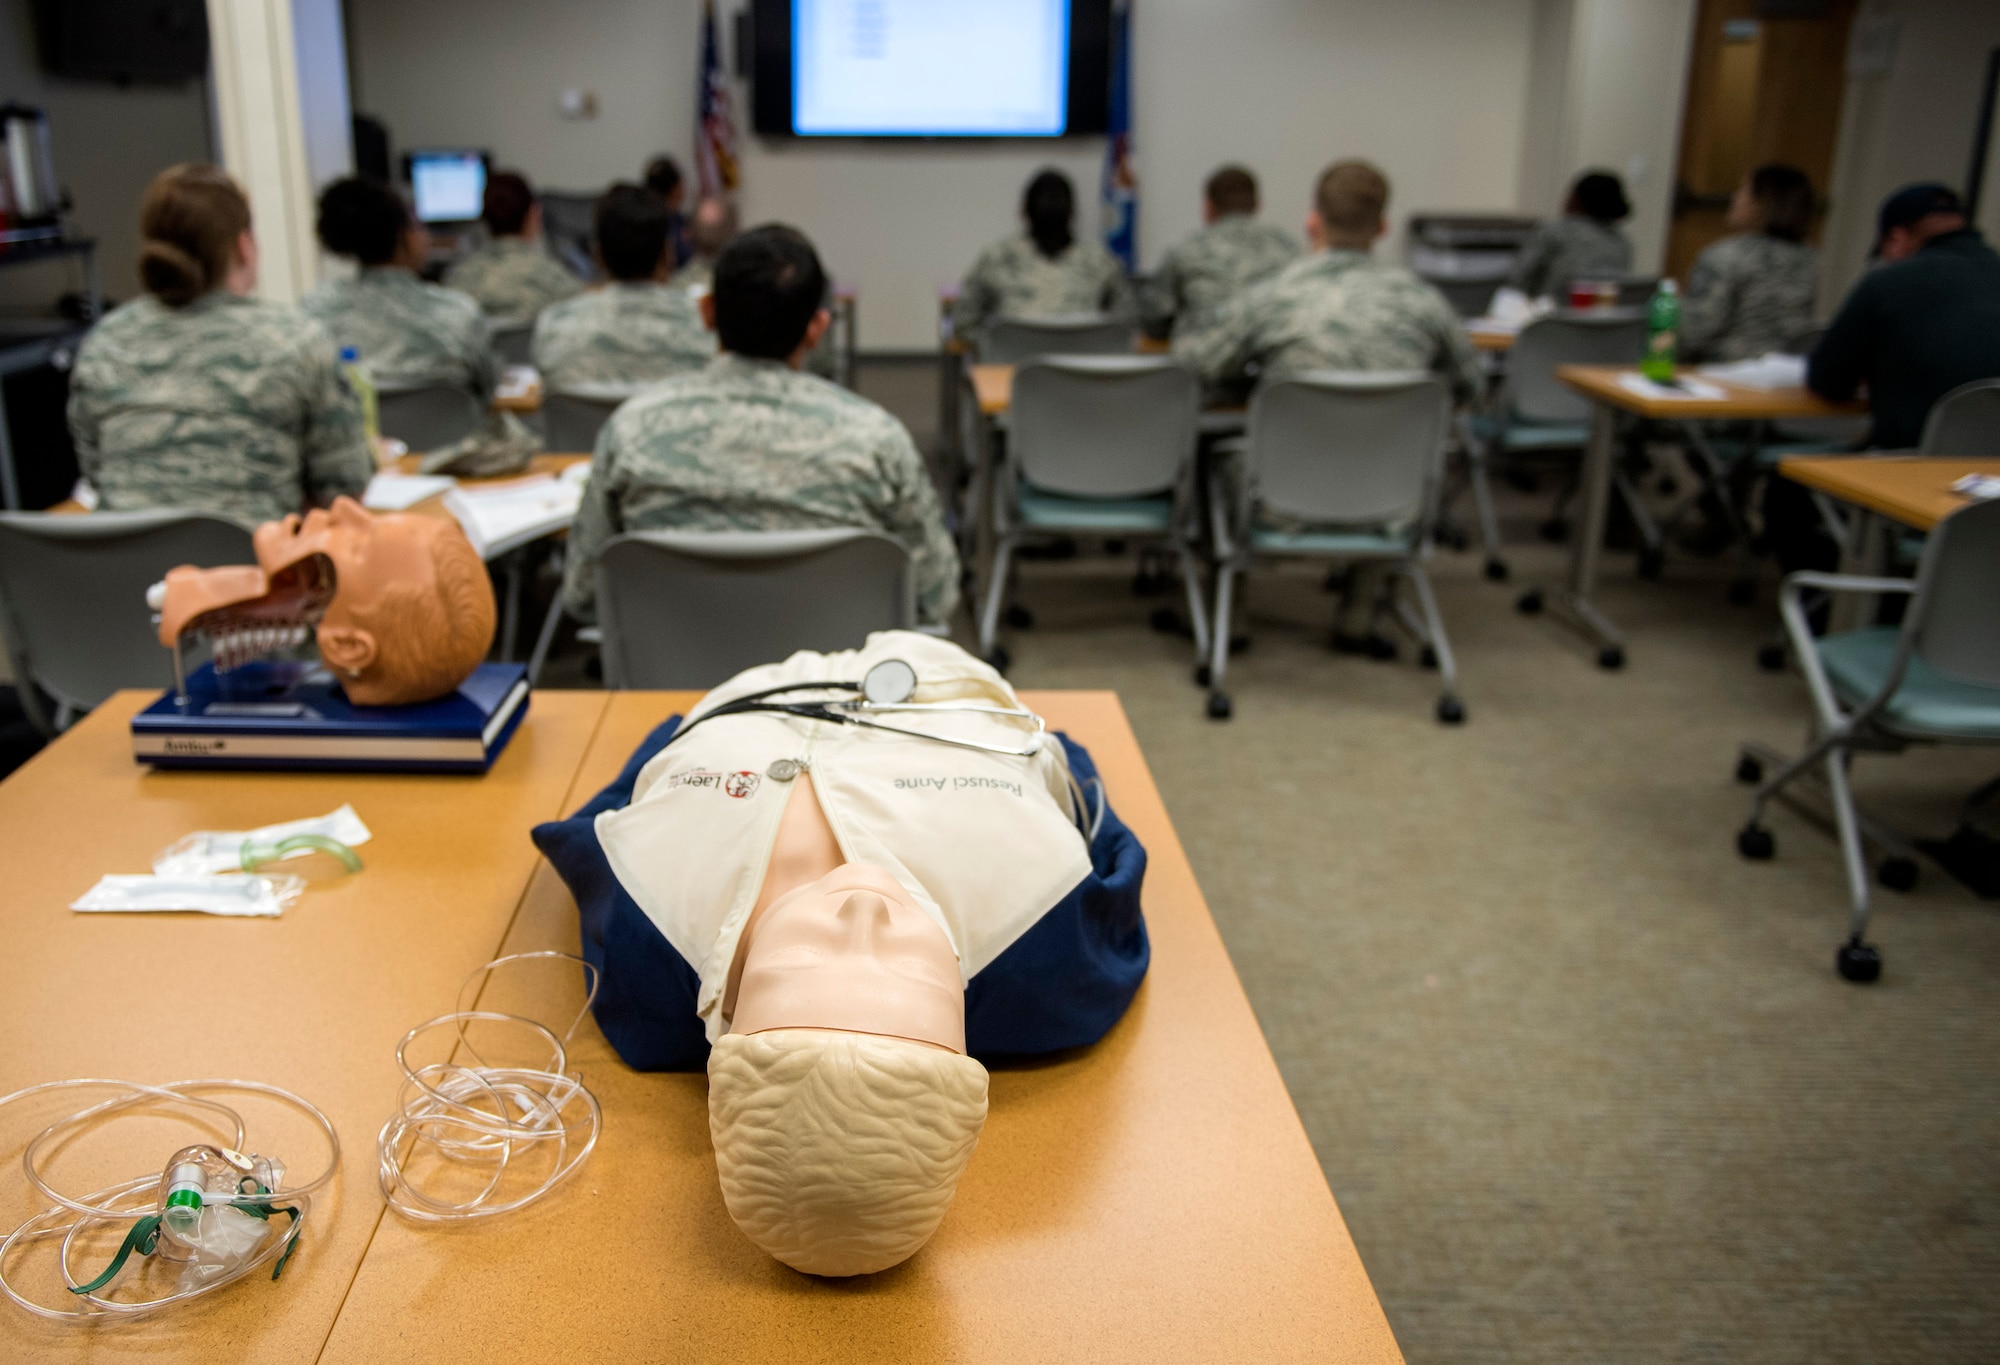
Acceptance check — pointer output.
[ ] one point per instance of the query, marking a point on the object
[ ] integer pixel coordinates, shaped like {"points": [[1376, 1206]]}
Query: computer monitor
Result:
{"points": [[447, 183]]}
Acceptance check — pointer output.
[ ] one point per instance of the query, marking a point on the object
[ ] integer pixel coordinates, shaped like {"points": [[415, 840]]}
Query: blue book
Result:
{"points": [[278, 715]]}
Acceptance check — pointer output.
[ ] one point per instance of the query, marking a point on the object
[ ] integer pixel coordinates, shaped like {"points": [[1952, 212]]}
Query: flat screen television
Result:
{"points": [[448, 184], [930, 68], [154, 41]]}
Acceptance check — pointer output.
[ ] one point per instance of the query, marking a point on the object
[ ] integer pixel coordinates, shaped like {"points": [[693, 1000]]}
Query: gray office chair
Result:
{"points": [[1099, 445], [571, 418], [1935, 679], [513, 339], [1965, 422], [1342, 466], [1536, 413], [694, 608], [1009, 341], [1636, 291], [427, 417], [73, 599]]}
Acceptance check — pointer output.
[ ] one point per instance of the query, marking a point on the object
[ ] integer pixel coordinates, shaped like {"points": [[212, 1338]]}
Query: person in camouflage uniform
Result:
{"points": [[200, 397], [1583, 244], [406, 332], [1044, 273], [1203, 272], [636, 329], [711, 227], [1339, 309], [751, 443], [513, 276], [1754, 291]]}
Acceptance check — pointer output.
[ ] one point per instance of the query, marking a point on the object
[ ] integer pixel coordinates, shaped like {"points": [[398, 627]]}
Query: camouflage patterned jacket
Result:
{"points": [[1747, 295], [513, 278], [408, 332], [229, 405], [621, 334], [1568, 248], [1202, 272], [1012, 279], [755, 445], [1334, 310]]}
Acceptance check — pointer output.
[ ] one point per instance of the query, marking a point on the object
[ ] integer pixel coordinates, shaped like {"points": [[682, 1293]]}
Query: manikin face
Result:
{"points": [[852, 951]]}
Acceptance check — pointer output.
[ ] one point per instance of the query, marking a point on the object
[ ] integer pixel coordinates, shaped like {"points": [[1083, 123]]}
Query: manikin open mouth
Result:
{"points": [[243, 612]]}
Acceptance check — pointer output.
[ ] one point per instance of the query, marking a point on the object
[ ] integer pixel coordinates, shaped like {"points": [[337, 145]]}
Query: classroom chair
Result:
{"points": [[1098, 446], [513, 339], [1965, 422], [1537, 414], [427, 417], [692, 609], [73, 600], [1009, 341], [571, 418], [1343, 466], [1935, 679]]}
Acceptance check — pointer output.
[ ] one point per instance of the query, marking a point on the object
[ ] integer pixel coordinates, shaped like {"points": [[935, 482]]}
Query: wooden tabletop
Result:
{"points": [[527, 401], [1492, 338], [313, 1001], [1912, 489], [995, 386], [1151, 1198], [1601, 383]]}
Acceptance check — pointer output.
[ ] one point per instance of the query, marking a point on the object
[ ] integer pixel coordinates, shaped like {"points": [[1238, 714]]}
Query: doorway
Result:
{"points": [[1765, 84]]}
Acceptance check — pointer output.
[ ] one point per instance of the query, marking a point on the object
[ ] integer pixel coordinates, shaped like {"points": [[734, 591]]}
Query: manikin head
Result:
{"points": [[841, 1104], [411, 611]]}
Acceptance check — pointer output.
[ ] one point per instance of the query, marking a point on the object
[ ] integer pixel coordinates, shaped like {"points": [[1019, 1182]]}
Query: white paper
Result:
{"points": [[217, 850], [255, 897], [392, 492], [517, 381], [498, 519], [1690, 390], [1772, 370], [1980, 486]]}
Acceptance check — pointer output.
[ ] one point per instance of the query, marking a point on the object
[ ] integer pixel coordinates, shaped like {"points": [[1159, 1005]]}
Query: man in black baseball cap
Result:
{"points": [[1922, 322]]}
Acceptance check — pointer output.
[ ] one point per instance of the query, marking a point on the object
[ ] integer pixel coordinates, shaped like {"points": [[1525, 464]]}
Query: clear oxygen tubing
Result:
{"points": [[468, 1112], [70, 1218]]}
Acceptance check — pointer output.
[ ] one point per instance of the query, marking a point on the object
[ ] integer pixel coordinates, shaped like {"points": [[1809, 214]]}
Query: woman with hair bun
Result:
{"points": [[199, 396], [1584, 244], [1044, 271]]}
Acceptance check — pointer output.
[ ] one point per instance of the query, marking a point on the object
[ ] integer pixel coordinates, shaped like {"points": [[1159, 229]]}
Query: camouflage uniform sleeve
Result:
{"points": [[911, 514], [84, 413], [1456, 362], [1706, 306], [1117, 295], [333, 443], [596, 523], [1220, 350], [484, 362], [1159, 300], [976, 301]]}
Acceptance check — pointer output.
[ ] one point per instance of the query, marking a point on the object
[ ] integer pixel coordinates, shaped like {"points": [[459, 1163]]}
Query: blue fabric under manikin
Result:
{"points": [[1062, 984]]}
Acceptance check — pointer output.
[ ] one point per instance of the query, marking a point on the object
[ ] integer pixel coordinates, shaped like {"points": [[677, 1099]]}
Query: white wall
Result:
{"points": [[1912, 122], [108, 143], [1437, 92]]}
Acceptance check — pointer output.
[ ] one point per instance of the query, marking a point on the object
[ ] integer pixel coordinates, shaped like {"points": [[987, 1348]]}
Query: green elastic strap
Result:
{"points": [[254, 855], [144, 1236], [265, 1211]]}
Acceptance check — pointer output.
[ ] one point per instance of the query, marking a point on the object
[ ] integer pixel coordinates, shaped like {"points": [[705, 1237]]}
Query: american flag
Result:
{"points": [[1120, 188], [716, 169]]}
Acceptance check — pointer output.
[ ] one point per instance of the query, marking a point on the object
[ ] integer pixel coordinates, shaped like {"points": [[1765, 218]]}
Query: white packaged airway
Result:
{"points": [[237, 896], [218, 850]]}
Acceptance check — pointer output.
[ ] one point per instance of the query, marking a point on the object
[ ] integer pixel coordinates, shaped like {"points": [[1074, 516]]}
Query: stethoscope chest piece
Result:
{"points": [[889, 683]]}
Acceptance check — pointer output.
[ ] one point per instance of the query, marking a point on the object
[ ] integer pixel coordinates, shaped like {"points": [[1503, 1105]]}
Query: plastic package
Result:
{"points": [[212, 850], [216, 1211], [452, 1114], [237, 896]]}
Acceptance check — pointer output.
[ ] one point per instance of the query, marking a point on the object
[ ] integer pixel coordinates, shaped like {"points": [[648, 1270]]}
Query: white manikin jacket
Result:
{"points": [[986, 844]]}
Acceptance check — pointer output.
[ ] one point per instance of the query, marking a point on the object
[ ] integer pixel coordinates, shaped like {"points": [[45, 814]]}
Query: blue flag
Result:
{"points": [[1121, 176]]}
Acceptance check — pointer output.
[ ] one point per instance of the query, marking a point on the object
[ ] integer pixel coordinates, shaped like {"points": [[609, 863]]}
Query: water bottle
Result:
{"points": [[364, 388], [1663, 330]]}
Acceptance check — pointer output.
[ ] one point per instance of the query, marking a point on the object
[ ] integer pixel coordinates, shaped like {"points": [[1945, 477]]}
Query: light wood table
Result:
{"points": [[1498, 340], [1604, 386], [313, 1001], [1151, 1198], [526, 402]]}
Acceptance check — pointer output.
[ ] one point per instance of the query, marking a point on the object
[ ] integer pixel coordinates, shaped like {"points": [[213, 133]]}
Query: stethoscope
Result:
{"points": [[887, 688]]}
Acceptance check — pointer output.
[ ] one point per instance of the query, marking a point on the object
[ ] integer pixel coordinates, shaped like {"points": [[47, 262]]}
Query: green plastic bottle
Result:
{"points": [[1663, 332], [364, 388]]}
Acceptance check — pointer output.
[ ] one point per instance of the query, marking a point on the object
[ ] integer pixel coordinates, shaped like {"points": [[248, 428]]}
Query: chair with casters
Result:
{"points": [[427, 417], [513, 340], [1537, 414], [1934, 679], [1009, 341], [690, 609], [73, 600], [1097, 446], [571, 418], [1344, 466]]}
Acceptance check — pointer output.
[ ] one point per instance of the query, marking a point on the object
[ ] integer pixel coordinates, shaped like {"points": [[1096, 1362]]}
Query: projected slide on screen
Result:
{"points": [[930, 68]]}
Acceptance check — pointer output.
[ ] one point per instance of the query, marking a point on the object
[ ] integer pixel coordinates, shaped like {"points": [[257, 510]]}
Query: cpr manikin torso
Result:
{"points": [[400, 605]]}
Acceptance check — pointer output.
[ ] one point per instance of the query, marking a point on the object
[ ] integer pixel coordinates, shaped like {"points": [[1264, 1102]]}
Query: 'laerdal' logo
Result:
{"points": [[740, 785]]}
